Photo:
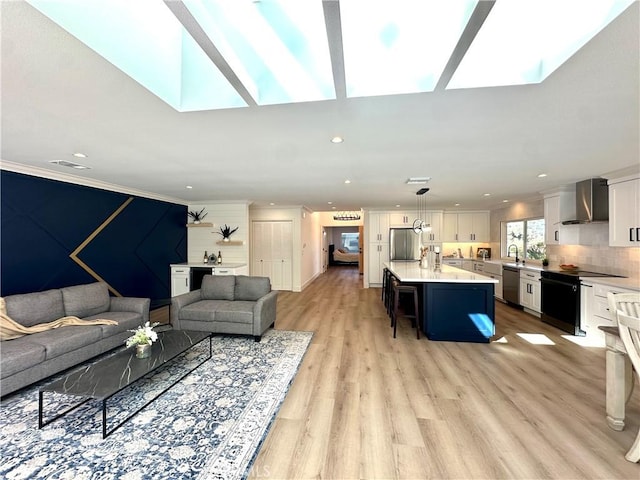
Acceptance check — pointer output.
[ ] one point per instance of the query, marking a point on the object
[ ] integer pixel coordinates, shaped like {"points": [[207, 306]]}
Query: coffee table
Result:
{"points": [[106, 377]]}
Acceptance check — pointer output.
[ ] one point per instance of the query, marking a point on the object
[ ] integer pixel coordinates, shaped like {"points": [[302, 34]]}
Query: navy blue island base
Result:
{"points": [[454, 305], [458, 312]]}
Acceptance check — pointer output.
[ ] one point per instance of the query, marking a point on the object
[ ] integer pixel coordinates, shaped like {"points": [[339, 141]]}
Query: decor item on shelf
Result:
{"points": [[419, 225], [206, 257], [142, 338], [219, 257], [197, 217], [545, 262], [346, 216], [226, 232]]}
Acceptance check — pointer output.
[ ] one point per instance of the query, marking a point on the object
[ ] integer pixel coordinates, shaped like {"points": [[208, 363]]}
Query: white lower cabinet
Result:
{"points": [[494, 270], [497, 289], [180, 280], [530, 290], [244, 270], [453, 262], [594, 307]]}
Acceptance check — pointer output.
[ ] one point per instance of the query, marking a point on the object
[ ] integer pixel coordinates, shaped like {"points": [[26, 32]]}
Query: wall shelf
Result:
{"points": [[201, 224], [231, 242]]}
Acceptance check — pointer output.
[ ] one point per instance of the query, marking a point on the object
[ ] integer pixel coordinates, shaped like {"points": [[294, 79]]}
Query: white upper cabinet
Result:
{"points": [[624, 212], [466, 227], [434, 220], [401, 219], [559, 206], [378, 227]]}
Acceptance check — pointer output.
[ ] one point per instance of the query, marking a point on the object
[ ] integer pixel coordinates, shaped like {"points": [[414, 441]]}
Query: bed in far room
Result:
{"points": [[341, 256]]}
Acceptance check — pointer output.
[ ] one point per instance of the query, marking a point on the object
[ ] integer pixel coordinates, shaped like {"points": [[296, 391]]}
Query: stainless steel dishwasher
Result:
{"points": [[511, 285]]}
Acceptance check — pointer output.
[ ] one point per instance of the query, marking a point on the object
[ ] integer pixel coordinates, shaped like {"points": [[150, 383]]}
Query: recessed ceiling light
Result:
{"points": [[486, 194], [397, 206], [333, 208], [271, 203], [347, 181], [79, 155], [188, 187], [330, 203], [456, 204], [505, 201], [542, 175], [337, 139], [417, 180]]}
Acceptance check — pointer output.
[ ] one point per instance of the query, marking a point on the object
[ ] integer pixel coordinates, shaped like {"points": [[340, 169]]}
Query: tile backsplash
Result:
{"points": [[617, 260]]}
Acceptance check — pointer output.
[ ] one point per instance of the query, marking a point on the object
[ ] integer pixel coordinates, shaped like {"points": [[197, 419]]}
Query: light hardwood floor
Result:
{"points": [[366, 406]]}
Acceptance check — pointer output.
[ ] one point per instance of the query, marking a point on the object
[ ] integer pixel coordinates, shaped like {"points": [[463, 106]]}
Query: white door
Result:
{"points": [[272, 252]]}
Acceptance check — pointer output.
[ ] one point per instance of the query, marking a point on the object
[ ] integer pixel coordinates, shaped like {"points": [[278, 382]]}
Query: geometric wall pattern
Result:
{"points": [[55, 234]]}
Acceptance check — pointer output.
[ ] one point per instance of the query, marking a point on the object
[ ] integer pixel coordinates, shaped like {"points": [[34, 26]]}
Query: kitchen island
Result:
{"points": [[454, 304]]}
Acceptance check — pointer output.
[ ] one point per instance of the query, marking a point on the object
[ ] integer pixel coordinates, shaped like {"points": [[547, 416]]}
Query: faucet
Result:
{"points": [[509, 251]]}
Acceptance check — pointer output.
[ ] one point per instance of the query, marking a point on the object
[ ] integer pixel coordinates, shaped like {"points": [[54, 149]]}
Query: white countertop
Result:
{"points": [[629, 283], [411, 272], [208, 265]]}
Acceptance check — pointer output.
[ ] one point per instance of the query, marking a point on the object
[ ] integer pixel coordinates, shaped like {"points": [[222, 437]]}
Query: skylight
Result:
{"points": [[278, 49], [524, 41], [147, 42], [400, 46], [212, 54]]}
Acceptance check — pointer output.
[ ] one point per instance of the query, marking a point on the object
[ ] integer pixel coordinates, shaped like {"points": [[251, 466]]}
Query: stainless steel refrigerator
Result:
{"points": [[404, 244]]}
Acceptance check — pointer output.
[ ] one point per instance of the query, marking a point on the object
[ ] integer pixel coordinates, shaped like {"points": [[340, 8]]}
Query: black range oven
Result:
{"points": [[560, 296]]}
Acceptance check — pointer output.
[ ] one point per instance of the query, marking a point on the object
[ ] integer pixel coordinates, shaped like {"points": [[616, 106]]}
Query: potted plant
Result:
{"points": [[197, 217], [142, 338], [226, 232], [545, 262]]}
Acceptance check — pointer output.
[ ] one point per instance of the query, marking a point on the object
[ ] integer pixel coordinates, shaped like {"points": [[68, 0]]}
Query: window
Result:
{"points": [[350, 242], [527, 236]]}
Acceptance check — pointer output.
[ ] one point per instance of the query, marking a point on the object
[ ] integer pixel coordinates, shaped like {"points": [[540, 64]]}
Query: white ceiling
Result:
{"points": [[60, 97]]}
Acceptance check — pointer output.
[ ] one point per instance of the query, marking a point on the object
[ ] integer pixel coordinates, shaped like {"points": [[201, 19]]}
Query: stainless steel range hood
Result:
{"points": [[592, 202]]}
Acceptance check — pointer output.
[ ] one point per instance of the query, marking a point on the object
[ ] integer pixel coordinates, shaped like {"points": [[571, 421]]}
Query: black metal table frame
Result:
{"points": [[105, 433]]}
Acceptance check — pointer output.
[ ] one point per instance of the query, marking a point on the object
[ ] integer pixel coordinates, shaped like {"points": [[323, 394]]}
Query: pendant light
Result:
{"points": [[419, 225]]}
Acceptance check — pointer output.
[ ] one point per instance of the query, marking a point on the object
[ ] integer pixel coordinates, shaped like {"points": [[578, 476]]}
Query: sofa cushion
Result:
{"points": [[126, 321], [218, 288], [251, 288], [204, 310], [85, 300], [33, 308], [66, 339], [18, 355], [238, 311]]}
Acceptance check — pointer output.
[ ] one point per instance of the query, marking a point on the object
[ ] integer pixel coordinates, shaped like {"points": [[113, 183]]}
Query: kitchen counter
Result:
{"points": [[208, 265], [621, 282], [454, 305], [411, 272]]}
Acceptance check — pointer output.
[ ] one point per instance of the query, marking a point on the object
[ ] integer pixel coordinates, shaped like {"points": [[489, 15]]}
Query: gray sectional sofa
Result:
{"points": [[235, 304], [36, 356]]}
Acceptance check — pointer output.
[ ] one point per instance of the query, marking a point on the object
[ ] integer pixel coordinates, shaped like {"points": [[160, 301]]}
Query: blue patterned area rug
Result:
{"points": [[208, 426]]}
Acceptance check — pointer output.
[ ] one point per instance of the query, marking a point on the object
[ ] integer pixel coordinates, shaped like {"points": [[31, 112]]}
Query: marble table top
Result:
{"points": [[111, 374]]}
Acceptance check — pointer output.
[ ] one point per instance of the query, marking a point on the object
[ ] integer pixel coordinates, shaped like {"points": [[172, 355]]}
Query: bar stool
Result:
{"points": [[385, 281], [397, 289]]}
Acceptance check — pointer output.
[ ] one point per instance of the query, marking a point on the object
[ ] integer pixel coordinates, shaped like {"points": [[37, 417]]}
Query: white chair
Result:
{"points": [[625, 308]]}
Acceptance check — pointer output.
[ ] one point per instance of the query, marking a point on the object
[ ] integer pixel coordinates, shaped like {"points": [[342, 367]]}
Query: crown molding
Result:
{"points": [[64, 177]]}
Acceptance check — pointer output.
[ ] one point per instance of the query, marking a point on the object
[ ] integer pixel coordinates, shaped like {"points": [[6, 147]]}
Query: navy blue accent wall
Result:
{"points": [[43, 221]]}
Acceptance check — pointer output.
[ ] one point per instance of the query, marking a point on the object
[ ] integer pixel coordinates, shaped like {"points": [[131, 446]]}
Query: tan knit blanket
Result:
{"points": [[10, 329]]}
